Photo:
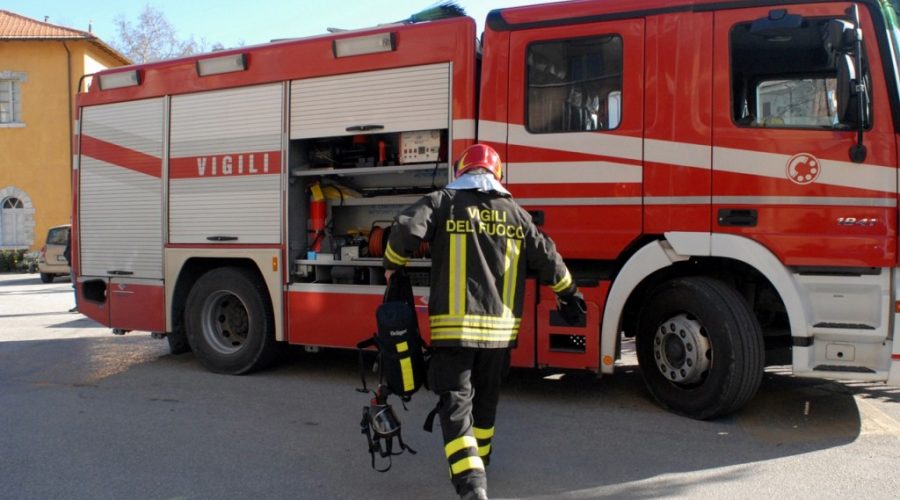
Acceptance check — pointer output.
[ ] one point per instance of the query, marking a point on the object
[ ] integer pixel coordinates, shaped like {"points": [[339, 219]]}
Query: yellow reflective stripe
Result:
{"points": [[458, 444], [406, 370], [465, 464], [402, 347], [510, 275], [483, 433], [394, 257], [474, 337], [487, 332], [484, 451], [471, 319], [564, 283], [457, 274]]}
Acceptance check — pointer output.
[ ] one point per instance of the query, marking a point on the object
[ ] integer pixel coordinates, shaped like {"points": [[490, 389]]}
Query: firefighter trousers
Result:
{"points": [[468, 383]]}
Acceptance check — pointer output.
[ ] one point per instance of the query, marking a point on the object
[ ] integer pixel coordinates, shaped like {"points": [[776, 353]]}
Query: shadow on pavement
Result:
{"points": [[575, 437]]}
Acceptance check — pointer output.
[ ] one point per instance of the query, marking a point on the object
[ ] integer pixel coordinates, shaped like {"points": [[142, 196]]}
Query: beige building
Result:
{"points": [[41, 70]]}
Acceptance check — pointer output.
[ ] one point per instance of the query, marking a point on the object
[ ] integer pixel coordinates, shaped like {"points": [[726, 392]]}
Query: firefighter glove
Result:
{"points": [[572, 308]]}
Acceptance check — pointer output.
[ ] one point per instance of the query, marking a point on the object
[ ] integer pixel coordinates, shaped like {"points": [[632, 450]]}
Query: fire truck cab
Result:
{"points": [[721, 178]]}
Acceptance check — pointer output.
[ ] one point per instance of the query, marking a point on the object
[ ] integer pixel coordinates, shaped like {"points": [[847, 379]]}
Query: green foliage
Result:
{"points": [[13, 260]]}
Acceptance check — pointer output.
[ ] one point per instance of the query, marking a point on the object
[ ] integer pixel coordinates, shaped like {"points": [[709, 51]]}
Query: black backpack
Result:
{"points": [[400, 350]]}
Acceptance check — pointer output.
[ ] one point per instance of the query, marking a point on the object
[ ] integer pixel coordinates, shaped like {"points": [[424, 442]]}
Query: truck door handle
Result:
{"points": [[117, 272], [222, 238], [364, 128], [739, 217]]}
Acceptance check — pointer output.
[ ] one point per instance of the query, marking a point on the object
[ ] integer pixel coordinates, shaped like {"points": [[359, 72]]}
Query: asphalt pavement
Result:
{"points": [[88, 415]]}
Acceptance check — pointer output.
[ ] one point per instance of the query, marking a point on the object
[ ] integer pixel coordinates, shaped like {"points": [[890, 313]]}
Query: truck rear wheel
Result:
{"points": [[229, 321], [47, 277], [700, 348]]}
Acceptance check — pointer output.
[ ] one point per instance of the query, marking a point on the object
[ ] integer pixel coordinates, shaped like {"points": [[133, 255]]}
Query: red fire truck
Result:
{"points": [[721, 177]]}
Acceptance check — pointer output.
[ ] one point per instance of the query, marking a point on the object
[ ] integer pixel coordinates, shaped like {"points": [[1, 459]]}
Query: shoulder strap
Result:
{"points": [[360, 347], [399, 289]]}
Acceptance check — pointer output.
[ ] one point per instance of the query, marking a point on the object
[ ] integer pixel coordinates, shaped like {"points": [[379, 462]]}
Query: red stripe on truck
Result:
{"points": [[121, 156]]}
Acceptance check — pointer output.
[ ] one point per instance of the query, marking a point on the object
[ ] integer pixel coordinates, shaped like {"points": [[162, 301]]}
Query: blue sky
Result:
{"points": [[234, 21]]}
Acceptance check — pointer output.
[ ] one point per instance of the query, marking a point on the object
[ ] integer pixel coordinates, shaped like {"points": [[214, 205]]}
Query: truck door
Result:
{"points": [[120, 280], [574, 160], [788, 171], [575, 126], [782, 172]]}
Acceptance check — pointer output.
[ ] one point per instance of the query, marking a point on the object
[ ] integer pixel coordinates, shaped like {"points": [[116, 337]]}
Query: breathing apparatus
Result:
{"points": [[380, 425]]}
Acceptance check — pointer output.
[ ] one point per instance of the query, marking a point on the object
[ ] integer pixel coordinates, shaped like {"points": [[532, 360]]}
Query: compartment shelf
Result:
{"points": [[359, 262], [377, 201], [353, 171]]}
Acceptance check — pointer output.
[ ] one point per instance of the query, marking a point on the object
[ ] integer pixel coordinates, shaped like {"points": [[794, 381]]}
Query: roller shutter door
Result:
{"points": [[394, 100], [120, 185], [225, 166]]}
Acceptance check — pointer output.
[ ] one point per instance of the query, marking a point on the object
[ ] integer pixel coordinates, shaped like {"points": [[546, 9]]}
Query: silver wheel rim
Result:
{"points": [[681, 350], [226, 322]]}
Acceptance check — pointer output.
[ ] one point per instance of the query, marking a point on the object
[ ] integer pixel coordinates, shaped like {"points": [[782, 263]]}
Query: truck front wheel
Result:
{"points": [[700, 347], [229, 321]]}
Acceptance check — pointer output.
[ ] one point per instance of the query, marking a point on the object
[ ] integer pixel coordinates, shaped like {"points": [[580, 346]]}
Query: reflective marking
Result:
{"points": [[823, 201], [457, 274], [458, 444], [805, 200], [465, 464], [510, 275], [592, 143], [406, 371], [569, 172], [483, 433], [463, 129], [676, 200], [836, 173], [624, 200], [678, 153], [492, 131]]}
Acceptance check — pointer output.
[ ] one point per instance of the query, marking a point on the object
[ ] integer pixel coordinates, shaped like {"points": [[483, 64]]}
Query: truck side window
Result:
{"points": [[574, 85], [785, 79]]}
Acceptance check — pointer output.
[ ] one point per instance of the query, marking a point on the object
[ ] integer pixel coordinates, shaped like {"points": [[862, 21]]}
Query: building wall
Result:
{"points": [[35, 159]]}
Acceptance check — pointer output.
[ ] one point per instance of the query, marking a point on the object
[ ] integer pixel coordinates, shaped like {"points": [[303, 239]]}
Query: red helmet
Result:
{"points": [[480, 156]]}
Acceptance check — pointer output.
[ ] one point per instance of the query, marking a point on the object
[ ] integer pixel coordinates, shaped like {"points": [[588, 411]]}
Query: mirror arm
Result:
{"points": [[858, 151]]}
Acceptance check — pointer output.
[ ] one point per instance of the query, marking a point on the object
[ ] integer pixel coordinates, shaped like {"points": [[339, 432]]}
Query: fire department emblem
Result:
{"points": [[803, 168]]}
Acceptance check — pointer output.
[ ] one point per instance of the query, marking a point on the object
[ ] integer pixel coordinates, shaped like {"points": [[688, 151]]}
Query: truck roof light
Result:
{"points": [[369, 44], [120, 79], [222, 64]]}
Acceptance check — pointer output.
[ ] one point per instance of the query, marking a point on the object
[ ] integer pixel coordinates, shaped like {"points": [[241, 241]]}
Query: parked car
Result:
{"points": [[52, 260]]}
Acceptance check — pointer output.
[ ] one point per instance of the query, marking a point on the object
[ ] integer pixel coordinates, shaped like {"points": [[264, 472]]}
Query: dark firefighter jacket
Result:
{"points": [[482, 244]]}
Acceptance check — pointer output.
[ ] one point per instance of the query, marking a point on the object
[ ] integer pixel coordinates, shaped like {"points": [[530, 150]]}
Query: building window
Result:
{"points": [[11, 98], [575, 85], [16, 219]]}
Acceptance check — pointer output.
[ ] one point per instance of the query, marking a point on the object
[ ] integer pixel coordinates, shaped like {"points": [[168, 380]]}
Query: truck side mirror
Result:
{"points": [[838, 36], [852, 93]]}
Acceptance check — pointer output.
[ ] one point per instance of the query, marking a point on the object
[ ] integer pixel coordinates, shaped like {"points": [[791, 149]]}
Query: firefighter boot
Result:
{"points": [[476, 494]]}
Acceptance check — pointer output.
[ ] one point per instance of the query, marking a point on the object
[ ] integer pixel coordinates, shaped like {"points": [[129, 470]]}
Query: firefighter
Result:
{"points": [[482, 243]]}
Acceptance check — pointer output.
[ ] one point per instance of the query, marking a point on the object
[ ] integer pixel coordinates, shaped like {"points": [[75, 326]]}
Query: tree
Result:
{"points": [[153, 38]]}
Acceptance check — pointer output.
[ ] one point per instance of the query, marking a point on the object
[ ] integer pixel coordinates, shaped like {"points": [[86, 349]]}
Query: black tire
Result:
{"points": [[229, 321], [47, 277], [178, 342], [700, 348]]}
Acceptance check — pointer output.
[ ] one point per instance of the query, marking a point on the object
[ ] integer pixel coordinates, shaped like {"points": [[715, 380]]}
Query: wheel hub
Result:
{"points": [[226, 322], [681, 349]]}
